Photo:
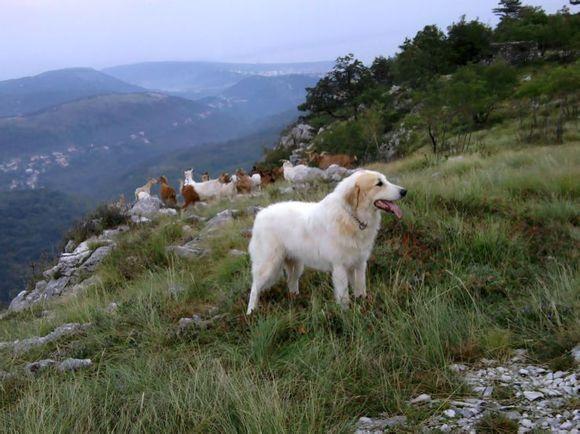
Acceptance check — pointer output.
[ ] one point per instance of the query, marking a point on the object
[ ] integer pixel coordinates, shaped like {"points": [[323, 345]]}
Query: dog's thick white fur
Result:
{"points": [[209, 189], [336, 234]]}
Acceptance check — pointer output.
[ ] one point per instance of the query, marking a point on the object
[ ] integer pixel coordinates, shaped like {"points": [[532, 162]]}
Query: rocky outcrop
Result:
{"points": [[64, 366], [516, 52], [534, 397], [394, 141], [73, 273], [299, 134], [21, 346], [194, 248], [149, 208]]}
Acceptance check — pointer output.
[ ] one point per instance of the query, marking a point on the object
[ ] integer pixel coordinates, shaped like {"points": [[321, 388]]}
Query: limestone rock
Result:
{"points": [[74, 364]]}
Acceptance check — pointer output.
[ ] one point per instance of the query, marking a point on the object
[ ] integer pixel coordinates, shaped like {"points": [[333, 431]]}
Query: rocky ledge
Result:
{"points": [[73, 273], [533, 397]]}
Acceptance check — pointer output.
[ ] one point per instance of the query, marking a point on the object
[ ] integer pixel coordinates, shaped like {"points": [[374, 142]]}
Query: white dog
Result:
{"points": [[336, 234]]}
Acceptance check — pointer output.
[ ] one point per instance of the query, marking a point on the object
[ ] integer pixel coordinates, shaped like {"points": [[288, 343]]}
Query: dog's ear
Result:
{"points": [[352, 197]]}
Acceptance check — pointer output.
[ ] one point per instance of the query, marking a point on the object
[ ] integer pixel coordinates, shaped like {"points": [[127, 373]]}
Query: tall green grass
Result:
{"points": [[484, 261]]}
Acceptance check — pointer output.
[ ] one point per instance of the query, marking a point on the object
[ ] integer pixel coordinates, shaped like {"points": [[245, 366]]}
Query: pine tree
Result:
{"points": [[508, 9]]}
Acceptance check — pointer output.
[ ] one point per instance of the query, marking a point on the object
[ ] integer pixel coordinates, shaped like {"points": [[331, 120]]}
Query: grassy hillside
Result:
{"points": [[484, 261]]}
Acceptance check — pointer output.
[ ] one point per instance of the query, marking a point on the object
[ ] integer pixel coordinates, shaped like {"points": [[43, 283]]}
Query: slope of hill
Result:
{"points": [[30, 94], [212, 157], [33, 224], [79, 142], [200, 79], [257, 96], [483, 263]]}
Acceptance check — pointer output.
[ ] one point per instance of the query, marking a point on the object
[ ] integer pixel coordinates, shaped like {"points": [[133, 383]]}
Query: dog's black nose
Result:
{"points": [[403, 192]]}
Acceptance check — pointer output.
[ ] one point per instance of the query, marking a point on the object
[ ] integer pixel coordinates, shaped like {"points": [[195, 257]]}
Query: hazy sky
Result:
{"points": [[38, 35]]}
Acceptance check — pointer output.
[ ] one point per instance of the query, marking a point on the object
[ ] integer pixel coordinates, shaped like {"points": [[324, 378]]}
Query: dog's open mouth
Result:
{"points": [[388, 206]]}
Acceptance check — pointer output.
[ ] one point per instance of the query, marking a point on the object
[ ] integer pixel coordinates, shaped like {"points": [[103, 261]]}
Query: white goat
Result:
{"points": [[209, 189], [256, 181], [144, 191]]}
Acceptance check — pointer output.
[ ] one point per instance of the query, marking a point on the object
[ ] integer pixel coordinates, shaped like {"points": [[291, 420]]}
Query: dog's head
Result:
{"points": [[367, 189], [188, 174]]}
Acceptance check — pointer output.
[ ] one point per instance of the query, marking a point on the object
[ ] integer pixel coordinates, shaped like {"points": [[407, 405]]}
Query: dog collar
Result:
{"points": [[361, 225]]}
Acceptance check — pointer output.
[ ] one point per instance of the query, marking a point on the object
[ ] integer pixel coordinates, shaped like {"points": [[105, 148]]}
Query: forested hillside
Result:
{"points": [[444, 85]]}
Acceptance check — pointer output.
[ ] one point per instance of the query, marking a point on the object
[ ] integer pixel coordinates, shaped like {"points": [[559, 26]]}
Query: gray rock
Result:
{"points": [[189, 217], [70, 246], [112, 308], [367, 424], [450, 413], [140, 219], [147, 207], [236, 252], [6, 376], [423, 398], [94, 259], [253, 210], [220, 220], [298, 134], [175, 289], [189, 250], [575, 352], [21, 346], [82, 286], [55, 287], [39, 366], [19, 302], [168, 212], [74, 364]]}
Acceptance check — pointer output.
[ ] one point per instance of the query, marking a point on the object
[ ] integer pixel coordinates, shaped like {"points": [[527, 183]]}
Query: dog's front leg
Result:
{"points": [[340, 282], [359, 280]]}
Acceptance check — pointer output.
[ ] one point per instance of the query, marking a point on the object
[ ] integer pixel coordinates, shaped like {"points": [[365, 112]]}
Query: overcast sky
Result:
{"points": [[39, 35]]}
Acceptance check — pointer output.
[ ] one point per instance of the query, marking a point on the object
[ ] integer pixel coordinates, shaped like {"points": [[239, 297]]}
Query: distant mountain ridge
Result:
{"points": [[258, 96], [201, 79], [29, 94]]}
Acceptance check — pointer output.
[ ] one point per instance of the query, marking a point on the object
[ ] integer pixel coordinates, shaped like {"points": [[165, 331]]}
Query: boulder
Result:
{"points": [[147, 207], [220, 220], [39, 366], [299, 133], [24, 345], [73, 364], [189, 250]]}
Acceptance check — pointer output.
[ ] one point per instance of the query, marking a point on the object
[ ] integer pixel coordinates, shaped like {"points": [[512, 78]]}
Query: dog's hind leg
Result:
{"points": [[264, 275], [293, 270]]}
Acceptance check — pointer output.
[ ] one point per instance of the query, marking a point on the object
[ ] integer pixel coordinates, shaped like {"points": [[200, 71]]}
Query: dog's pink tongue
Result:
{"points": [[396, 210], [392, 207]]}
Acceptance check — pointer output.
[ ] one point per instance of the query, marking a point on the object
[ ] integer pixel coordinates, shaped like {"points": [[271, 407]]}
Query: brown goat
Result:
{"points": [[225, 178], [277, 173], [168, 196], [325, 160], [189, 194], [243, 182]]}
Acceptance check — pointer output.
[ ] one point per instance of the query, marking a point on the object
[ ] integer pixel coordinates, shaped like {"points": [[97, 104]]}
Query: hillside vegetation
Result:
{"points": [[483, 262], [444, 86]]}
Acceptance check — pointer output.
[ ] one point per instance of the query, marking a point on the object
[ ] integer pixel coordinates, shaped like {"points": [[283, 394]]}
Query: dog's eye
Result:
{"points": [[380, 183]]}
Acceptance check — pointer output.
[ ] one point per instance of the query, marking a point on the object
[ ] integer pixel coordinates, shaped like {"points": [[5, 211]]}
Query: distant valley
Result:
{"points": [[72, 138]]}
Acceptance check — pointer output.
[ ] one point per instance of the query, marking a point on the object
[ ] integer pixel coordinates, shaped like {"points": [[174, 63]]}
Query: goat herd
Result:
{"points": [[330, 168]]}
